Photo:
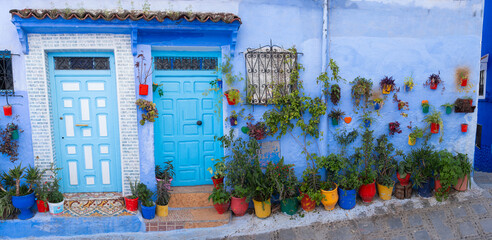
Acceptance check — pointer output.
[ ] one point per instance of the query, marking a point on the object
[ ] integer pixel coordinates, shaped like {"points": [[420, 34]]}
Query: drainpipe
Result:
{"points": [[324, 54]]}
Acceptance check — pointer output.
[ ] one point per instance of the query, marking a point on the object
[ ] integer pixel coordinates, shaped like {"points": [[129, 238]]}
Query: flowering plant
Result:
{"points": [[394, 127], [257, 131], [283, 178]]}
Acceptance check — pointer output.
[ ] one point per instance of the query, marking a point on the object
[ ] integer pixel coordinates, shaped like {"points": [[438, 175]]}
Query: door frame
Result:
{"points": [[201, 73], [54, 109]]}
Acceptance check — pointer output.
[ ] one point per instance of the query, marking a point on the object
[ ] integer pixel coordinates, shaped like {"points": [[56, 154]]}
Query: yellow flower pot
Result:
{"points": [[161, 211], [262, 209], [411, 141], [330, 198], [385, 192], [387, 89]]}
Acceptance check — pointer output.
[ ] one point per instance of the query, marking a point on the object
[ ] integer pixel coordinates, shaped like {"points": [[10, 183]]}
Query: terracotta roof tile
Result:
{"points": [[124, 15]]}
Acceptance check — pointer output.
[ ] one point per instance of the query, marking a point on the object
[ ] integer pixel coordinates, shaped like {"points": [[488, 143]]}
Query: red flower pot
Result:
{"points": [[433, 86], [217, 182], [143, 89], [438, 186], [222, 208], [434, 128], [307, 204], [239, 206], [462, 184], [464, 127], [42, 206], [7, 110], [464, 82], [367, 191], [131, 204], [231, 101], [403, 181]]}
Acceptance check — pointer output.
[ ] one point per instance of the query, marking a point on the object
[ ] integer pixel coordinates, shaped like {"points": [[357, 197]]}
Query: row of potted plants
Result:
{"points": [[143, 196]]}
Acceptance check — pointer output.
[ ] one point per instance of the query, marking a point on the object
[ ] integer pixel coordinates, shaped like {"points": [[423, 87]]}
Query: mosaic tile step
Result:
{"points": [[93, 196], [188, 218], [95, 205], [189, 197]]}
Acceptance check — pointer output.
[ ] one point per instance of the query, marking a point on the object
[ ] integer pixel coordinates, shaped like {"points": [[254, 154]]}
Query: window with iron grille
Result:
{"points": [[268, 69], [482, 82], [6, 77], [478, 139], [81, 63], [185, 63]]}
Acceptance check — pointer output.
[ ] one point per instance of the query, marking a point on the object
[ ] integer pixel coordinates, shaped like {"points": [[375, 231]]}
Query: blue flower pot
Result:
{"points": [[407, 88], [147, 212], [219, 84], [367, 123], [24, 204], [426, 190], [346, 198], [377, 106]]}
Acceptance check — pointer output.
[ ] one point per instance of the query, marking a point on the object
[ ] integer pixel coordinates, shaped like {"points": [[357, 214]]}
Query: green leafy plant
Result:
{"points": [[54, 195], [416, 133], [219, 166], [435, 117], [9, 146], [220, 195], [165, 173], [465, 166], [386, 161], [325, 82], [284, 179], [150, 111], [226, 70], [6, 207], [366, 116], [333, 164], [361, 91], [12, 180], [145, 195], [364, 157], [448, 172], [335, 94], [425, 104], [424, 161], [448, 105], [336, 114], [405, 167], [133, 188], [348, 176], [259, 182], [233, 95], [311, 185], [163, 194]]}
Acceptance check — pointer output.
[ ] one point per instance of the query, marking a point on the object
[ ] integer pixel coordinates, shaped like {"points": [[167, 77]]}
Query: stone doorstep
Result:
{"points": [[190, 197], [202, 217]]}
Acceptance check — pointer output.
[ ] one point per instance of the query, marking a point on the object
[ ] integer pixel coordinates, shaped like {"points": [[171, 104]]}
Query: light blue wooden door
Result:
{"points": [[188, 119], [85, 116]]}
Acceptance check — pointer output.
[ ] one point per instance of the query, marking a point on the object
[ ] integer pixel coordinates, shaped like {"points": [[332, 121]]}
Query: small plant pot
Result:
{"points": [[334, 121], [464, 127], [143, 89], [377, 106], [147, 212], [387, 89], [385, 192], [131, 204], [403, 181], [289, 206], [462, 184], [233, 121], [218, 182], [262, 209], [24, 204], [14, 134], [347, 120], [464, 82], [438, 186], [7, 110], [434, 128], [433, 86], [347, 198], [367, 123], [307, 203], [239, 206], [219, 83], [449, 110], [330, 198], [411, 141], [222, 208], [425, 190], [56, 208], [425, 109], [407, 88], [42, 206], [230, 101], [162, 210], [367, 192], [245, 130]]}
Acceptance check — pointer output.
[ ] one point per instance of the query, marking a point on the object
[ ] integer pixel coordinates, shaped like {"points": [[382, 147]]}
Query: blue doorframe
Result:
{"points": [[179, 137], [86, 126]]}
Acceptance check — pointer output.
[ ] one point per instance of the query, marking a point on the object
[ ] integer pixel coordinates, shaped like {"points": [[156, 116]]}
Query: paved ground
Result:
{"points": [[463, 216]]}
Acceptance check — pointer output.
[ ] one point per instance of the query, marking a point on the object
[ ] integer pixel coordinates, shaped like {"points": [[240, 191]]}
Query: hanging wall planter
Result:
{"points": [[425, 106], [387, 85], [233, 96], [7, 110], [143, 73], [434, 128], [367, 123], [143, 89], [464, 82], [411, 141], [409, 84], [434, 81], [233, 120], [464, 105], [464, 127], [335, 115]]}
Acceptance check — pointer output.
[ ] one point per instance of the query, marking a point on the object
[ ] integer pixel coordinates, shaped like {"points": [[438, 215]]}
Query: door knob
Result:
{"points": [[198, 123]]}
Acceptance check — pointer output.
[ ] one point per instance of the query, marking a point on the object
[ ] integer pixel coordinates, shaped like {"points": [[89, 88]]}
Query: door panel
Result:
{"points": [[84, 103]]}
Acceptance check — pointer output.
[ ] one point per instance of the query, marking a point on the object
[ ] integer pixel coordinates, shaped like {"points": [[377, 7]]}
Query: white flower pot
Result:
{"points": [[56, 208]]}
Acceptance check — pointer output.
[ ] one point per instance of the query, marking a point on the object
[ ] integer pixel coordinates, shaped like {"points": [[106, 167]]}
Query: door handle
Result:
{"points": [[198, 123], [81, 125]]}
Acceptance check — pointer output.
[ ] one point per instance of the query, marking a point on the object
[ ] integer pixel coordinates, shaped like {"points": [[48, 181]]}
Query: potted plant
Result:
{"points": [[466, 168], [367, 119], [335, 115], [233, 118], [335, 94], [165, 174], [361, 90], [409, 84], [387, 84], [14, 130], [423, 161], [221, 199], [261, 189], [348, 182], [464, 105], [446, 174], [219, 173], [42, 192], [325, 81], [449, 107], [310, 189], [147, 206], [150, 111], [386, 165], [143, 73], [401, 104], [55, 197], [425, 106], [435, 121], [286, 185], [233, 96], [394, 127], [6, 208], [364, 158], [257, 131], [8, 145], [23, 196], [7, 110], [463, 79], [433, 81], [131, 201], [464, 127], [163, 198], [333, 165], [416, 133], [378, 103], [404, 171]]}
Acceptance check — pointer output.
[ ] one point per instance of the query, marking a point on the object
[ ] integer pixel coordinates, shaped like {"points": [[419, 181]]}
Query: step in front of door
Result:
{"points": [[191, 197], [188, 218], [95, 205]]}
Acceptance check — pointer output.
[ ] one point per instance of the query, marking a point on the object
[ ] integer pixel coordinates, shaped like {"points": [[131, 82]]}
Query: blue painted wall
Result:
{"points": [[483, 155]]}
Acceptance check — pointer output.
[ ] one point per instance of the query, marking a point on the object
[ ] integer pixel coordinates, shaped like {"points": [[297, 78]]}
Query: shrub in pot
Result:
{"points": [[349, 182], [310, 189], [333, 164], [416, 133], [163, 198], [221, 199], [7, 210], [56, 199], [378, 103], [147, 206], [361, 90], [435, 122], [423, 161], [447, 173], [219, 173], [261, 189], [404, 171], [364, 158], [257, 131], [131, 201], [165, 174], [233, 96], [466, 168], [285, 184], [386, 165], [366, 119], [42, 192]]}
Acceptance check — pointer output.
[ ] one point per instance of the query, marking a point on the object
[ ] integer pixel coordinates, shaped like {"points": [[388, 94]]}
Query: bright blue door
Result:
{"points": [[85, 115], [188, 118]]}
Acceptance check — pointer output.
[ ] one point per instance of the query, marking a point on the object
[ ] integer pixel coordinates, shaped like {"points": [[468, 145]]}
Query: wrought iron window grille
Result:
{"points": [[185, 63], [81, 63], [6, 75], [268, 69]]}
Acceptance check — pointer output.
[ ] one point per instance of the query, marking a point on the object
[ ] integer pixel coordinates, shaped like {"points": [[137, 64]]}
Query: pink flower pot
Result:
{"points": [[239, 206], [462, 184]]}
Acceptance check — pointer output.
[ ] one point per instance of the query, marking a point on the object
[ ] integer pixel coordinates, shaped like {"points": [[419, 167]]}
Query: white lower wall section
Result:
{"points": [[40, 106]]}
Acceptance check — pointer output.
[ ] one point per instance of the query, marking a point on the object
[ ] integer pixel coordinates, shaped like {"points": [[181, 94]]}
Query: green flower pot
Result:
{"points": [[289, 206], [425, 109], [14, 134], [334, 121], [449, 110]]}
